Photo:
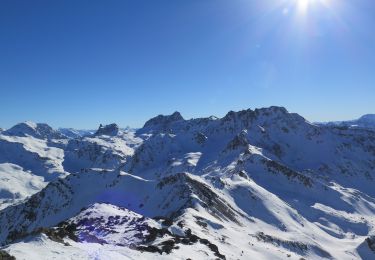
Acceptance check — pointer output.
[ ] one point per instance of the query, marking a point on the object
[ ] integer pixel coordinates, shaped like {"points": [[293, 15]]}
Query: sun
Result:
{"points": [[303, 5]]}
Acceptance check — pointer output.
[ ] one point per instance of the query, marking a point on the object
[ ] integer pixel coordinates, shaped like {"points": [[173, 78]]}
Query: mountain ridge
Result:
{"points": [[260, 183]]}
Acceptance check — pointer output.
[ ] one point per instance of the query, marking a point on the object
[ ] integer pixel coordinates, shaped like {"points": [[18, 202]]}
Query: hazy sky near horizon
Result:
{"points": [[80, 63]]}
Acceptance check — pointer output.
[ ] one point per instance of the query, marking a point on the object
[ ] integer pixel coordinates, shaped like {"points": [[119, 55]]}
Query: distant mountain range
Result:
{"points": [[255, 184], [366, 121]]}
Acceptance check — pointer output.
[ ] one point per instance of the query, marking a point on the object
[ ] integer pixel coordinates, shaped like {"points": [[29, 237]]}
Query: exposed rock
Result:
{"points": [[111, 130], [5, 256], [161, 122], [200, 138], [239, 141], [295, 246], [371, 243], [276, 167], [189, 188]]}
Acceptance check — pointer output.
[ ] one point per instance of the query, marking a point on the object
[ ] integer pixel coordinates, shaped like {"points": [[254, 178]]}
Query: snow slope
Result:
{"points": [[30, 157], [17, 184], [255, 184]]}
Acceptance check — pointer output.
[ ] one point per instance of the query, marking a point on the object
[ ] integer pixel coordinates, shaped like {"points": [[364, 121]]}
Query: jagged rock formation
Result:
{"points": [[111, 130], [161, 122]]}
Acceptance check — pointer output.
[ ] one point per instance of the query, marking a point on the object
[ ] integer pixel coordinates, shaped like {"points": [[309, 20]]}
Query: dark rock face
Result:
{"points": [[5, 256], [240, 140], [111, 130], [371, 243], [276, 167], [188, 188], [29, 211], [244, 117], [167, 246], [200, 138], [162, 121], [294, 246]]}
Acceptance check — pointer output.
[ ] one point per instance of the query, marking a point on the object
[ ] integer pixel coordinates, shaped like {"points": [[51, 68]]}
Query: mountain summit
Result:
{"points": [[111, 130], [162, 121], [37, 130]]}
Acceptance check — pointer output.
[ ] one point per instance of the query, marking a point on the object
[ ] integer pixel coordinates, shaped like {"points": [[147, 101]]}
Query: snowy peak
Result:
{"points": [[368, 119], [162, 121], [232, 121], [250, 114], [37, 130], [272, 118], [110, 130]]}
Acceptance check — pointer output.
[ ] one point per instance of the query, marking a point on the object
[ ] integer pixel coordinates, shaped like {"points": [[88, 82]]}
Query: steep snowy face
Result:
{"points": [[16, 184], [39, 156], [31, 155], [37, 130], [27, 164]]}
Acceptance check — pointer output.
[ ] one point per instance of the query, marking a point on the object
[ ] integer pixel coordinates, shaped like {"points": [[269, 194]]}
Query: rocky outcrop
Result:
{"points": [[111, 130], [162, 122]]}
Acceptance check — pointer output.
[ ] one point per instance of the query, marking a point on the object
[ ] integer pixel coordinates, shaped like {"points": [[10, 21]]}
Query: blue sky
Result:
{"points": [[81, 63]]}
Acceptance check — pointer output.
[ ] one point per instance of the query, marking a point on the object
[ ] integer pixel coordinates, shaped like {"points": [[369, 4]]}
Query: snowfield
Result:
{"points": [[255, 184], [17, 184]]}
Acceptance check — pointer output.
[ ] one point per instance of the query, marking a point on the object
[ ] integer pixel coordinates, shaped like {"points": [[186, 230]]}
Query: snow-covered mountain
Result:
{"points": [[366, 122], [75, 133], [42, 131], [255, 184], [31, 155]]}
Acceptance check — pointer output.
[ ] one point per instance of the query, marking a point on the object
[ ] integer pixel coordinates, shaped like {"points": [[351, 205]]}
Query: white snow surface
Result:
{"points": [[17, 184]]}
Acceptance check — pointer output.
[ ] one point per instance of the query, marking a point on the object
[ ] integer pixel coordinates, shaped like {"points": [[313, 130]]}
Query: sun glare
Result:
{"points": [[303, 5]]}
